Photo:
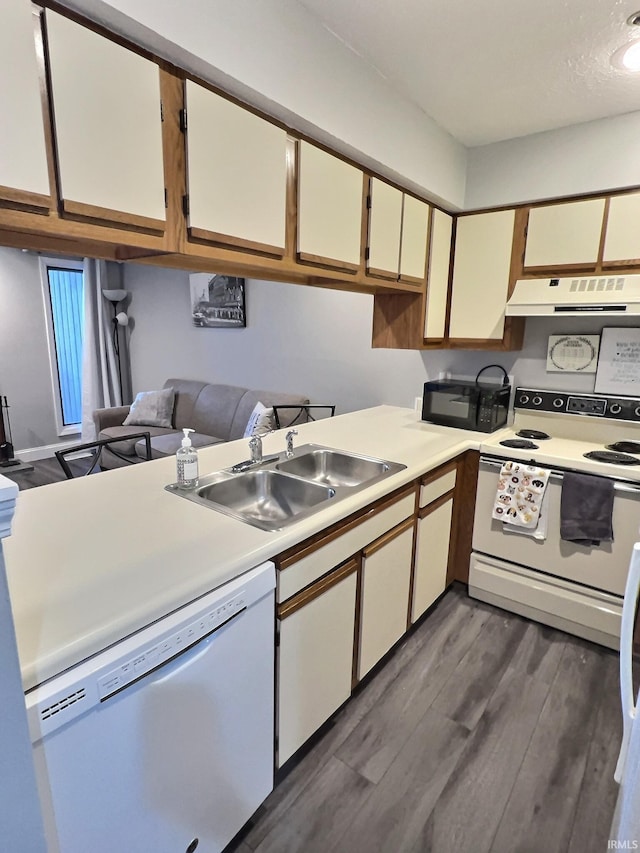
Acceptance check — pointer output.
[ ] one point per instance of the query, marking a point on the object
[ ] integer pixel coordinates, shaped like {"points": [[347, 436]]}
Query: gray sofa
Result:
{"points": [[216, 412]]}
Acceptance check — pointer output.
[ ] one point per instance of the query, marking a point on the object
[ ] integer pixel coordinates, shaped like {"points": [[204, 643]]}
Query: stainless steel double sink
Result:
{"points": [[284, 489]]}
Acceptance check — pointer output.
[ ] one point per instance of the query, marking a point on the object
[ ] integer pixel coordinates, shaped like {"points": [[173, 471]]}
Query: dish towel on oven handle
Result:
{"points": [[539, 532], [519, 494]]}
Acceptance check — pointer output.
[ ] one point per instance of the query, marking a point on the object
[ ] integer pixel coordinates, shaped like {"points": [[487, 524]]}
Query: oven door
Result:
{"points": [[603, 567]]}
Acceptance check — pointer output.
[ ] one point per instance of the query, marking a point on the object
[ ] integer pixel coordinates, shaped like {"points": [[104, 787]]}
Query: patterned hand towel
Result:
{"points": [[519, 495]]}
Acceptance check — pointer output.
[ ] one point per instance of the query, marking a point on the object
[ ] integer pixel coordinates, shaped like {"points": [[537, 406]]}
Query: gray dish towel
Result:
{"points": [[586, 509]]}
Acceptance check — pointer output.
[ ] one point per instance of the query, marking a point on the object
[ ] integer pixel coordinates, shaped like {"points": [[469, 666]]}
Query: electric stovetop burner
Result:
{"points": [[612, 457], [533, 433], [520, 443], [625, 446]]}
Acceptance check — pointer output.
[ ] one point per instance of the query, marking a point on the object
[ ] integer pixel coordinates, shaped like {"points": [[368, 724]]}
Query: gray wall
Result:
{"points": [[311, 340], [25, 377]]}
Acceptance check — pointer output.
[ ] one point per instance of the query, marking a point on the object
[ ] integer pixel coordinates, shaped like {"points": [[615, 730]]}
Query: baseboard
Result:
{"points": [[31, 454]]}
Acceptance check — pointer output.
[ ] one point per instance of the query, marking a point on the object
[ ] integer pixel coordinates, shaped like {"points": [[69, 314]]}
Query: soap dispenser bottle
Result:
{"points": [[187, 463]]}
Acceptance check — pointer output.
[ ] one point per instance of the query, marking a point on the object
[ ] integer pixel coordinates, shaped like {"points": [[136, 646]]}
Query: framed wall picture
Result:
{"points": [[619, 362], [217, 301], [572, 353]]}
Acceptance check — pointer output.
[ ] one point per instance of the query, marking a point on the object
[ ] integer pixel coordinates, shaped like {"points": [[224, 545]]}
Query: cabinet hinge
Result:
{"points": [[366, 254], [185, 205], [166, 198], [161, 111], [183, 120], [368, 202]]}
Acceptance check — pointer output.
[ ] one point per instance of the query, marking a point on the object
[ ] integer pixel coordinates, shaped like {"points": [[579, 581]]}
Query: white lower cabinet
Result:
{"points": [[315, 656], [386, 578], [432, 555]]}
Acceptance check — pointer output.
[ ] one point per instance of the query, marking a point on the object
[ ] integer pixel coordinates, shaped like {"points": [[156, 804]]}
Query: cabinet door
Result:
{"points": [[438, 276], [237, 173], [622, 240], [24, 177], [386, 577], [414, 239], [482, 264], [329, 209], [315, 657], [385, 220], [560, 235], [106, 105], [432, 556]]}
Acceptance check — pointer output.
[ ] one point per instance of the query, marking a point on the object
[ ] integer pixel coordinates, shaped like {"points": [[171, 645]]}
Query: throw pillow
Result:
{"points": [[152, 408], [260, 421]]}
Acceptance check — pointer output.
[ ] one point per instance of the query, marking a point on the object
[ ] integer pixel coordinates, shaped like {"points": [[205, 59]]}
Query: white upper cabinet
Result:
{"points": [[385, 223], [415, 238], [622, 240], [482, 264], [329, 208], [23, 155], [438, 277], [564, 234], [107, 119], [237, 171]]}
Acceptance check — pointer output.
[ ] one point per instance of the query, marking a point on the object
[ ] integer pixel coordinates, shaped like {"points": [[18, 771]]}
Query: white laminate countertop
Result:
{"points": [[94, 559]]}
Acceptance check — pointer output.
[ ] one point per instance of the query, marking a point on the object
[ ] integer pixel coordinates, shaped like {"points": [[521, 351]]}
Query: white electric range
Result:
{"points": [[571, 586]]}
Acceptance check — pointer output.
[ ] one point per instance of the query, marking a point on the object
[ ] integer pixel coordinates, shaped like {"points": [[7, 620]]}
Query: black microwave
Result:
{"points": [[466, 405]]}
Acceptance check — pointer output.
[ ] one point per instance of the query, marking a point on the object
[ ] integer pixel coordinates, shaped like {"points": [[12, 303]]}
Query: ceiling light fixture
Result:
{"points": [[627, 57]]}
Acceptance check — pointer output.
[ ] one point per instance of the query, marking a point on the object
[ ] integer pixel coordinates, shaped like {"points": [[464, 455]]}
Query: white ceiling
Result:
{"points": [[496, 69]]}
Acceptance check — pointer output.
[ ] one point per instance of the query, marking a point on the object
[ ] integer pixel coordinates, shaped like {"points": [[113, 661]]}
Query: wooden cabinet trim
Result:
{"points": [[322, 585], [175, 160], [376, 273], [23, 200], [320, 261], [436, 504], [603, 233], [205, 236], [104, 216], [355, 664], [314, 543], [387, 537], [411, 279], [438, 472]]}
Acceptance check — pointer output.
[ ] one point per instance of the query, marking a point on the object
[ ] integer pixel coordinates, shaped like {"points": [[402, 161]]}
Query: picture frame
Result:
{"points": [[217, 301]]}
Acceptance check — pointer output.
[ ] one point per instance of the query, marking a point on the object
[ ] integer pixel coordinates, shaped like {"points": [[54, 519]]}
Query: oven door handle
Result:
{"points": [[557, 475], [626, 651]]}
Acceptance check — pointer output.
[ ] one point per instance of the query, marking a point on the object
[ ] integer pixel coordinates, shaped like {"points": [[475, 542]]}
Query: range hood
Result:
{"points": [[605, 295]]}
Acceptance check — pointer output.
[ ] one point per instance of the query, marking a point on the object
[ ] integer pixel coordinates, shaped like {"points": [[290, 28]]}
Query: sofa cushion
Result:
{"points": [[186, 391], [127, 448], [167, 445], [152, 408], [267, 398], [215, 410]]}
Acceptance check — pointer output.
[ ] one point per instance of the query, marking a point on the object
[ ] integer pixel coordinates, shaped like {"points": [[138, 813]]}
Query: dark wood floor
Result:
{"points": [[45, 471], [484, 732]]}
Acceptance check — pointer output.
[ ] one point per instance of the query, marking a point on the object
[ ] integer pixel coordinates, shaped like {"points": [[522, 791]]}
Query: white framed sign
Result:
{"points": [[619, 362], [572, 353]]}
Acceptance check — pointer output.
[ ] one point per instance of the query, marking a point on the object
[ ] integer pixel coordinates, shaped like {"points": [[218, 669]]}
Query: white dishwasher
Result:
{"points": [[163, 743]]}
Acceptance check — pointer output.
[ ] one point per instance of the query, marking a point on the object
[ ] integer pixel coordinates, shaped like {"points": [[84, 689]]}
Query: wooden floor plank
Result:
{"points": [[467, 693], [376, 741], [539, 653], [321, 818], [451, 608], [468, 813], [599, 790], [393, 817], [540, 812]]}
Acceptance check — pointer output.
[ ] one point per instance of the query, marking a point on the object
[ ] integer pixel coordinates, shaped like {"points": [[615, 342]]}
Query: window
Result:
{"points": [[63, 292]]}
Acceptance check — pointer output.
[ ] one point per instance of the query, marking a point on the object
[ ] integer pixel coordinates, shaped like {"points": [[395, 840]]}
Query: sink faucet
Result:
{"points": [[255, 447], [289, 437]]}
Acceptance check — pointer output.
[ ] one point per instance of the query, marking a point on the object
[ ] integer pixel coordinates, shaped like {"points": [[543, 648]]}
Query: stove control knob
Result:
{"points": [[524, 399], [558, 402], [615, 408], [637, 411], [536, 401]]}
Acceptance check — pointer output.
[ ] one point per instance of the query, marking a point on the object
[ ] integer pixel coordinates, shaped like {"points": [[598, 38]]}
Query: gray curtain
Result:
{"points": [[100, 377]]}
